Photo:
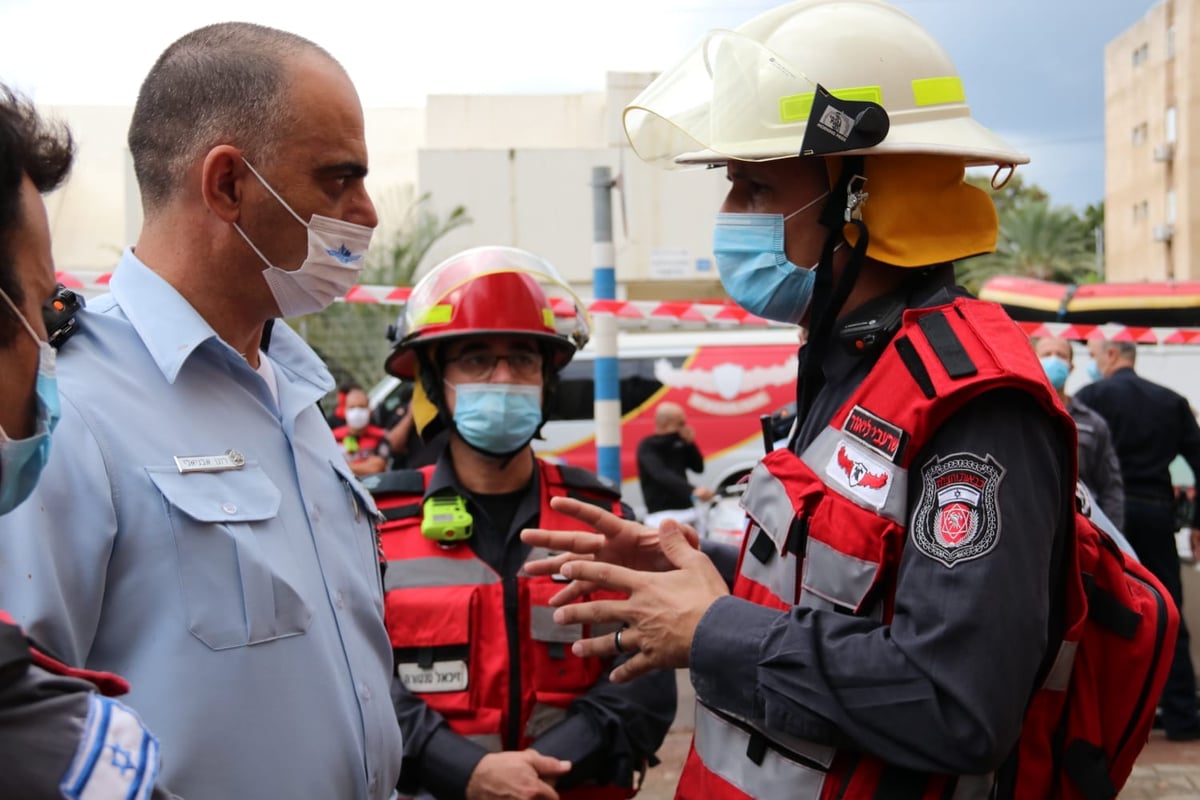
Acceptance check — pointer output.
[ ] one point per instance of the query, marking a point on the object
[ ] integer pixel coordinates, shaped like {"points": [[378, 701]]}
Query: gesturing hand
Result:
{"points": [[516, 775], [662, 609], [617, 541]]}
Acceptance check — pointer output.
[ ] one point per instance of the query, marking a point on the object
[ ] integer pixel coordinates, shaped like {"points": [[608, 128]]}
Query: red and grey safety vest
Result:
{"points": [[445, 614], [826, 530]]}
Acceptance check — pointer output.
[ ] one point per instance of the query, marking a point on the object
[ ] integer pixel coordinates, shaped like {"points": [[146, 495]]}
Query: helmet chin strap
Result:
{"points": [[828, 296]]}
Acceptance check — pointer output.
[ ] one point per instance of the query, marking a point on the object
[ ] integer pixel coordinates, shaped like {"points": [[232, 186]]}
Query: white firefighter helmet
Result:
{"points": [[748, 94]]}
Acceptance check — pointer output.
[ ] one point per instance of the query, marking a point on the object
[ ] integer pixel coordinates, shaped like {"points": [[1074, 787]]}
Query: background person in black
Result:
{"points": [[479, 338], [664, 459], [1150, 426]]}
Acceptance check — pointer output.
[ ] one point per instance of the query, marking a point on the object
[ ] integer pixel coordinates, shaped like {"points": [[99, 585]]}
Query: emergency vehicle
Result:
{"points": [[726, 381]]}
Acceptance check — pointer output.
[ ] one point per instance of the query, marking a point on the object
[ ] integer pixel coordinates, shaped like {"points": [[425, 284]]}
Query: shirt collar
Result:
{"points": [[936, 287], [168, 326], [172, 330]]}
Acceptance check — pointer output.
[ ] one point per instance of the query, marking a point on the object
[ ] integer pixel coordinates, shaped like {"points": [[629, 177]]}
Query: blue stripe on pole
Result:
{"points": [[604, 283], [608, 386], [608, 463]]}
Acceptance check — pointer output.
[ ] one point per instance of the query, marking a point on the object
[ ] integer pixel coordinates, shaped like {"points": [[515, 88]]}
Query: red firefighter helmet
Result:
{"points": [[489, 290]]}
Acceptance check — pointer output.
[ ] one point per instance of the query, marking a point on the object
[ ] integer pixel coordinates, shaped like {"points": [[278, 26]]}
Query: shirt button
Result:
{"points": [[229, 508], [339, 599], [365, 692], [315, 513]]}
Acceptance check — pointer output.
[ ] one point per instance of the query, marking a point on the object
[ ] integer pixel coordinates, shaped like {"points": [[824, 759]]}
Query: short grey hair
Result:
{"points": [[1125, 349], [220, 84]]}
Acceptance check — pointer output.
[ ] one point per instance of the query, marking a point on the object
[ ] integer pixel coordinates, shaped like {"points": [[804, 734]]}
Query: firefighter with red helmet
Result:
{"points": [[897, 598], [491, 700]]}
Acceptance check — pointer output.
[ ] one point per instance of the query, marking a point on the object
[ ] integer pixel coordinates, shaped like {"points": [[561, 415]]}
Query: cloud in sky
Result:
{"points": [[1034, 69]]}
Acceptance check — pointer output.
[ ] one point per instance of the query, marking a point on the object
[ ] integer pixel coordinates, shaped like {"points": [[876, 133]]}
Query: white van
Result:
{"points": [[727, 380]]}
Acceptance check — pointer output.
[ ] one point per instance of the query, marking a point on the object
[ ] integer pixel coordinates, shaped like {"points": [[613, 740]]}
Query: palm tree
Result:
{"points": [[1037, 240]]}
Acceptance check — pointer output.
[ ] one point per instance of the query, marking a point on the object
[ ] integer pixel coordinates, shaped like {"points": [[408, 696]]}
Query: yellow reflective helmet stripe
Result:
{"points": [[795, 108], [436, 315], [548, 318], [938, 91], [926, 92]]}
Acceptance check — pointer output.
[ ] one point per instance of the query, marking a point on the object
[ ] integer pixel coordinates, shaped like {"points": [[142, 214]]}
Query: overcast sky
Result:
{"points": [[1033, 69]]}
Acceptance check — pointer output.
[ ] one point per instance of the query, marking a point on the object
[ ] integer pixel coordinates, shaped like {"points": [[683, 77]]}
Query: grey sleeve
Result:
{"points": [[45, 734], [1109, 486], [436, 758], [958, 661]]}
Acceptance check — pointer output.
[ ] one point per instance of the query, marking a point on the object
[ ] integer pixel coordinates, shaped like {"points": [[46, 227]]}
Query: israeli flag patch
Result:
{"points": [[117, 756]]}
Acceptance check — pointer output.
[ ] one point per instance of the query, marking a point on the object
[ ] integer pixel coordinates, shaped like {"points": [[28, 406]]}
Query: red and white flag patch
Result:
{"points": [[958, 517], [861, 474]]}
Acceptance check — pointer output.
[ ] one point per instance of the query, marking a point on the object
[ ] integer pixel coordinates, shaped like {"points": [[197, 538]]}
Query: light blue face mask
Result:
{"points": [[497, 418], [1057, 371], [1093, 371], [22, 460], [754, 267]]}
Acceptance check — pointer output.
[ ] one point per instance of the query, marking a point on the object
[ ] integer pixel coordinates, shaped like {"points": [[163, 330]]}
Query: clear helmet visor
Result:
{"points": [[732, 97]]}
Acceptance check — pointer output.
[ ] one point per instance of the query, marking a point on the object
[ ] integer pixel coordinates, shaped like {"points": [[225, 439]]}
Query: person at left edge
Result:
{"points": [[54, 720], [223, 559], [491, 700]]}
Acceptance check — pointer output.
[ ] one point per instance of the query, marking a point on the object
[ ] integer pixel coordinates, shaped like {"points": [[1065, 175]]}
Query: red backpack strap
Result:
{"points": [[941, 358]]}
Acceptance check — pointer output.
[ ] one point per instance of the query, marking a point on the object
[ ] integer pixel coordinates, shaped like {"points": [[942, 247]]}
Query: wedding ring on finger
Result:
{"points": [[617, 641]]}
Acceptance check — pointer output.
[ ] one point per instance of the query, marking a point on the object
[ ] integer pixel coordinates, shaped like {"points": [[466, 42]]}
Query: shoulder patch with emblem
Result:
{"points": [[958, 517]]}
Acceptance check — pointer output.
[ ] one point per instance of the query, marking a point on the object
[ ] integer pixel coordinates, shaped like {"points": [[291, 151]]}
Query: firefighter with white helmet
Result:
{"points": [[889, 617], [490, 698]]}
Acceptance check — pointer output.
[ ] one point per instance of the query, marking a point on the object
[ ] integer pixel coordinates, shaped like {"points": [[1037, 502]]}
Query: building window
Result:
{"points": [[1141, 53], [1139, 133], [1170, 124], [1170, 41]]}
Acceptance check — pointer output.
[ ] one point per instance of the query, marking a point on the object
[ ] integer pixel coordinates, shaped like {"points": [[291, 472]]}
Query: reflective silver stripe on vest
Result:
{"points": [[770, 509], [778, 575], [722, 747], [417, 573], [543, 628], [824, 450], [542, 718], [838, 578], [488, 741], [1059, 678]]}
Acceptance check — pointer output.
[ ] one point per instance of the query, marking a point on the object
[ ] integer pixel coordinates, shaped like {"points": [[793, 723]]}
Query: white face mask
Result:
{"points": [[336, 252], [357, 418]]}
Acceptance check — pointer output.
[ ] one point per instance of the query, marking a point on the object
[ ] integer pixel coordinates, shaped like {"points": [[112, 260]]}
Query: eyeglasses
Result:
{"points": [[524, 365]]}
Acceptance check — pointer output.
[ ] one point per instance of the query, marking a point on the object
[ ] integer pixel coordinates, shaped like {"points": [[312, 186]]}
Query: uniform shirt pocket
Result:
{"points": [[232, 593]]}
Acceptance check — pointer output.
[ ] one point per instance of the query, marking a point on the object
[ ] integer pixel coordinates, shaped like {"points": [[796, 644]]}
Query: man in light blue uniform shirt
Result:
{"points": [[210, 543]]}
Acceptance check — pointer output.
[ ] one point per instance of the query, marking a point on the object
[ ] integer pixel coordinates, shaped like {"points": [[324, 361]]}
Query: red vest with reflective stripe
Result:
{"points": [[826, 530], [444, 610]]}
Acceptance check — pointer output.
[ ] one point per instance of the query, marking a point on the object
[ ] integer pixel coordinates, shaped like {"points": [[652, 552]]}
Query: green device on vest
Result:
{"points": [[445, 518]]}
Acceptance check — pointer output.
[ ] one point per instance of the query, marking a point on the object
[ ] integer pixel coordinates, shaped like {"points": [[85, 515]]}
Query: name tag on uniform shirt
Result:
{"points": [[230, 459], [442, 676]]}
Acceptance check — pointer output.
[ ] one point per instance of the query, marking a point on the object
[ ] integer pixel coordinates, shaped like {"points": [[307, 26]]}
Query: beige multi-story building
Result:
{"points": [[1152, 173]]}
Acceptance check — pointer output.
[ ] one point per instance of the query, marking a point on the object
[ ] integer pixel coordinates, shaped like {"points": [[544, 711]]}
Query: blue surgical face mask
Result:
{"points": [[754, 266], [22, 460], [1057, 371], [497, 418], [1093, 371]]}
